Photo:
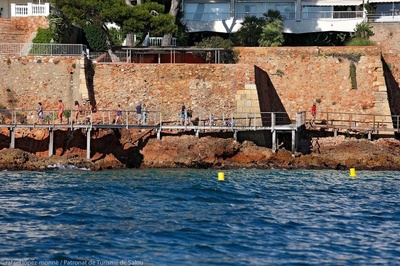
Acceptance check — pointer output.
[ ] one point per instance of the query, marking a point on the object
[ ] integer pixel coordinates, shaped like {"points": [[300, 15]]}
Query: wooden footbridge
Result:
{"points": [[273, 122]]}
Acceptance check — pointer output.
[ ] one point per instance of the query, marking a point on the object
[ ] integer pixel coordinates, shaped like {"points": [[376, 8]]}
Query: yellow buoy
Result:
{"points": [[353, 172], [221, 176]]}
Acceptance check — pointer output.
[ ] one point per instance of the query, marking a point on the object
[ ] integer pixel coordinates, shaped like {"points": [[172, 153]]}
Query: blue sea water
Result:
{"points": [[188, 217]]}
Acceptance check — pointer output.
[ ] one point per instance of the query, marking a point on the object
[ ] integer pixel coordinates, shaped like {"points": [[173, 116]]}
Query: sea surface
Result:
{"points": [[188, 217]]}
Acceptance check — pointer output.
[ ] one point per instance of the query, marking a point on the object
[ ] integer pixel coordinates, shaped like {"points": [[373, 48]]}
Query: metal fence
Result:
{"points": [[149, 117], [42, 49]]}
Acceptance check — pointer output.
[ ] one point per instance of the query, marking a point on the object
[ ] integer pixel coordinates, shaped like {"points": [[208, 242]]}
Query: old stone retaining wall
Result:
{"points": [[25, 81], [298, 77]]}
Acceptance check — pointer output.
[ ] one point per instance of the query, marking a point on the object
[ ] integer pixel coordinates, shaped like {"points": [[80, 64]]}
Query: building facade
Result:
{"points": [[300, 16], [226, 16]]}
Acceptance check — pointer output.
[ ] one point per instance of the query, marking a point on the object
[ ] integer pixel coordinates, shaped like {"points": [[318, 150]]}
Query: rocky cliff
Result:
{"points": [[141, 149]]}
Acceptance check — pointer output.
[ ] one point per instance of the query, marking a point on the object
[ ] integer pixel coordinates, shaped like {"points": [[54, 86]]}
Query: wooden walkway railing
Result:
{"points": [[152, 120], [364, 123]]}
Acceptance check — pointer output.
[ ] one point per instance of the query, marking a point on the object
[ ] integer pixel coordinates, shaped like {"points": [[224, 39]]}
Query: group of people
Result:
{"points": [[186, 115], [141, 114], [60, 114]]}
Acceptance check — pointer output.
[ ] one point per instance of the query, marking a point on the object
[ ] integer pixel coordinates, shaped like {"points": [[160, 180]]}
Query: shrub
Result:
{"points": [[360, 42], [95, 38], [229, 56], [43, 36]]}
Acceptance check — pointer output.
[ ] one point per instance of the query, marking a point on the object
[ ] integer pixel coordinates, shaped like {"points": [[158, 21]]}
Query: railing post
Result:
{"points": [[373, 123], [46, 9], [12, 10], [29, 9], [254, 121], [273, 117]]}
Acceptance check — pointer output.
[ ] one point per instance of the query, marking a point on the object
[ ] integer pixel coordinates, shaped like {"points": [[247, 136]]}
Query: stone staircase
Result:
{"points": [[11, 33]]}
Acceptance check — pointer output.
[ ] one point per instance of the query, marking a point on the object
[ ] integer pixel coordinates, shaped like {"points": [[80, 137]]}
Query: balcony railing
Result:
{"points": [[52, 49], [332, 15], [30, 9], [156, 41], [286, 16]]}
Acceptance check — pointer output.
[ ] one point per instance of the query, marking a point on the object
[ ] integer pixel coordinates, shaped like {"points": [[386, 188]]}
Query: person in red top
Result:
{"points": [[313, 112]]}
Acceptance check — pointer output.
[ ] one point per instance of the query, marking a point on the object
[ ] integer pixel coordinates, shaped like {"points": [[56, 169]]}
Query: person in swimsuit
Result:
{"points": [[119, 114], [60, 111], [76, 111], [39, 113]]}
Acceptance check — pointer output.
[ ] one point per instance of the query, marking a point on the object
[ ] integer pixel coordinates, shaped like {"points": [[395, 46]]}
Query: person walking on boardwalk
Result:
{"points": [[144, 114], [60, 111], [189, 114], [183, 113], [119, 114], [313, 113], [139, 113], [76, 112], [39, 113]]}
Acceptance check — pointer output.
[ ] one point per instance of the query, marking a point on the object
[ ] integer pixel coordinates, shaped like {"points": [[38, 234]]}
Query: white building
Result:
{"points": [[300, 16], [225, 16]]}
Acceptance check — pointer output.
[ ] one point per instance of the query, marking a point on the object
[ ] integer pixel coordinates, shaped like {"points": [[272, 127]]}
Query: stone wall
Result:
{"points": [[387, 36], [29, 25], [25, 81], [207, 88], [301, 76], [297, 76]]}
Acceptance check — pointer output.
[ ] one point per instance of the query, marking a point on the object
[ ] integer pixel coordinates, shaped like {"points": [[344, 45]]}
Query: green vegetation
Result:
{"points": [[353, 75], [266, 31], [360, 42], [354, 56], [229, 56], [139, 19], [43, 36], [250, 32], [95, 38], [362, 33]]}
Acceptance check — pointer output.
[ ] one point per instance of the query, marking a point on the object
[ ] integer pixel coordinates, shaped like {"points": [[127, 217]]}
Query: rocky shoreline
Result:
{"points": [[187, 151]]}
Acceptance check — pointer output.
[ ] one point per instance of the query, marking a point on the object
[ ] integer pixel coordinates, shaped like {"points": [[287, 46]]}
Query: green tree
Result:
{"points": [[363, 30], [362, 33], [137, 19], [272, 31], [173, 12], [95, 13], [250, 31], [60, 27]]}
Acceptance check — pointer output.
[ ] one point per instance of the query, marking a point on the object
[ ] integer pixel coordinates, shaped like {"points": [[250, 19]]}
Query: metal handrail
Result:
{"points": [[356, 121], [150, 117], [42, 49]]}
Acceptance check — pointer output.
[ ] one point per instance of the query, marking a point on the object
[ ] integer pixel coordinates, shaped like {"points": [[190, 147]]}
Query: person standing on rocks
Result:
{"points": [[60, 111]]}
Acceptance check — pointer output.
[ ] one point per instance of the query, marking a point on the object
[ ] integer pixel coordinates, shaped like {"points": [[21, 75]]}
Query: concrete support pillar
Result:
{"points": [[51, 141], [369, 135], [89, 130], [235, 135], [335, 130], [158, 133], [198, 133], [12, 138], [274, 140], [273, 131], [293, 142]]}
